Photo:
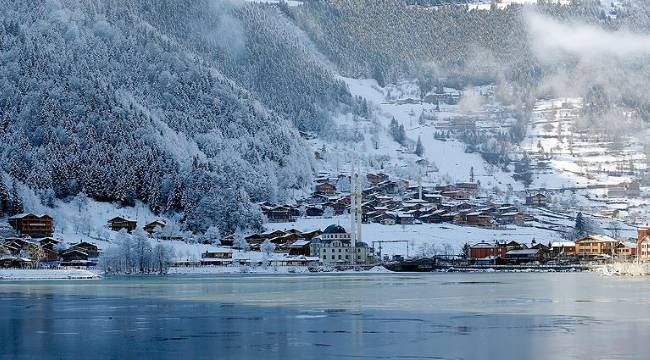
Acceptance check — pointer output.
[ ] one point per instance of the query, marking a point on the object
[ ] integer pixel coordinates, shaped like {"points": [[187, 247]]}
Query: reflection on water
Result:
{"points": [[428, 316]]}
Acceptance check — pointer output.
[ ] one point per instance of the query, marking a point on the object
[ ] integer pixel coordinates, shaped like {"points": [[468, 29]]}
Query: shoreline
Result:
{"points": [[95, 274], [48, 274]]}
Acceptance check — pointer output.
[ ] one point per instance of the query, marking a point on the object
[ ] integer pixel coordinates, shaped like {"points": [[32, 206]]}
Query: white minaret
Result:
{"points": [[359, 203], [356, 214], [353, 206]]}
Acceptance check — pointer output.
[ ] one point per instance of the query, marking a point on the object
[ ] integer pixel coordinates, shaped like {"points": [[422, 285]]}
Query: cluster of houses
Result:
{"points": [[391, 202], [29, 242], [332, 246], [154, 228], [588, 248]]}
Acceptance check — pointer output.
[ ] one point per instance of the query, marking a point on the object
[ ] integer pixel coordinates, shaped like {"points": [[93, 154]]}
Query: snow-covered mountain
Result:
{"points": [[186, 105], [195, 107]]}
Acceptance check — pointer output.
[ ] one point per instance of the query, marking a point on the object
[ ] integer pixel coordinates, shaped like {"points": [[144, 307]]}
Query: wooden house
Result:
{"points": [[219, 257], [227, 240], [483, 250], [384, 218], [300, 247], [596, 246], [283, 242], [283, 213], [90, 249], [563, 248], [521, 256], [49, 242], [434, 217], [536, 200], [456, 195], [403, 218], [516, 217], [626, 250], [35, 226], [311, 234], [375, 179], [313, 211], [73, 256], [325, 188], [433, 198], [478, 218], [151, 227], [16, 262], [469, 187], [388, 187], [118, 223]]}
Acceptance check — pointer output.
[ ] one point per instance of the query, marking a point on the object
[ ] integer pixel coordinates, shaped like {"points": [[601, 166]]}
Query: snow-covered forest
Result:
{"points": [[186, 105]]}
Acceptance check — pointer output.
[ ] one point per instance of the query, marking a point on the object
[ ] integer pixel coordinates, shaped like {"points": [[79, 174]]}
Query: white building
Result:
{"points": [[334, 247]]}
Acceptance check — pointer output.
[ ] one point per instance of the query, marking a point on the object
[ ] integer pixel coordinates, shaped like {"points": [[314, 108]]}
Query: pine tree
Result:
{"points": [[4, 198], [16, 201], [580, 229], [419, 148]]}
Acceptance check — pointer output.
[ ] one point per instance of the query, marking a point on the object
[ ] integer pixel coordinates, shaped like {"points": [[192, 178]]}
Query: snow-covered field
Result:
{"points": [[449, 157], [46, 274], [424, 234]]}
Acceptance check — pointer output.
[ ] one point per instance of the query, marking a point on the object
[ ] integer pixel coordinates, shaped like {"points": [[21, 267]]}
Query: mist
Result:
{"points": [[229, 34], [552, 40], [577, 57]]}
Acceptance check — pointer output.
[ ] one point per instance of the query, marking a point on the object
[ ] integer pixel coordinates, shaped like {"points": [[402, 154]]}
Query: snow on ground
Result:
{"points": [[449, 157], [288, 2], [578, 159], [205, 270], [47, 274], [429, 234], [86, 220]]}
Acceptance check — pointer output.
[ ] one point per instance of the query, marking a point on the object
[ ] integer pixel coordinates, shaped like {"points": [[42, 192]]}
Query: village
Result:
{"points": [[30, 241]]}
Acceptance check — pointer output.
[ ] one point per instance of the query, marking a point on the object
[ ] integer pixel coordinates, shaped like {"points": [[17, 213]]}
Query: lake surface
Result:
{"points": [[370, 316]]}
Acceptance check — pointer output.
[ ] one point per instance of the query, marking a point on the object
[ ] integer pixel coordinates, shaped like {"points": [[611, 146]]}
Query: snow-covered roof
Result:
{"points": [[513, 213], [300, 243], [597, 237], [523, 252], [122, 218], [476, 213], [483, 245], [557, 244], [20, 216]]}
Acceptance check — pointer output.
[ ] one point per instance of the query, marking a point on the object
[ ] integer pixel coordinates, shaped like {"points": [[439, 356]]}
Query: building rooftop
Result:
{"points": [[334, 229]]}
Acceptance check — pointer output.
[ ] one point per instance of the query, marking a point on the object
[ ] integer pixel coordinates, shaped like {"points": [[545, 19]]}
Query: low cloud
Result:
{"points": [[552, 40]]}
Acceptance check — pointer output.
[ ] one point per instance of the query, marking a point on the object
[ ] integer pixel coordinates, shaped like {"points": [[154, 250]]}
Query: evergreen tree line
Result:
{"points": [[128, 101]]}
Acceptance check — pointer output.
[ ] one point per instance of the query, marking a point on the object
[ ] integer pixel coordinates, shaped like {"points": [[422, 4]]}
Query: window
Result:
{"points": [[324, 257], [339, 257], [346, 257], [358, 257]]}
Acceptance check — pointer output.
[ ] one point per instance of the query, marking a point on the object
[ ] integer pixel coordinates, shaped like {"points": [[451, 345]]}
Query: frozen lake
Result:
{"points": [[372, 316]]}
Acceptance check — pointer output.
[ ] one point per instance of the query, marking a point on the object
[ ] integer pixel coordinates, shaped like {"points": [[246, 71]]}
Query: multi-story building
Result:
{"points": [[643, 242], [596, 245], [334, 247], [626, 250], [36, 226]]}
